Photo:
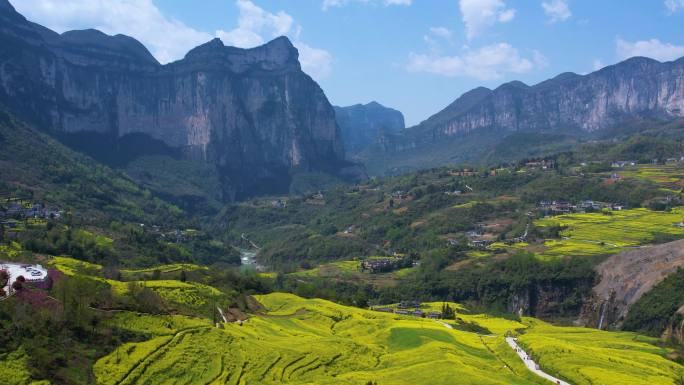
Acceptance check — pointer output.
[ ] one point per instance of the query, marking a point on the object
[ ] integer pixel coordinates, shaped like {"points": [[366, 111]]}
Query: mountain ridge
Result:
{"points": [[253, 114], [605, 104]]}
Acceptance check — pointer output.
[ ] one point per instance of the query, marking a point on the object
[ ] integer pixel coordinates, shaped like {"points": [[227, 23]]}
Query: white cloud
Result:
{"points": [[253, 23], [478, 15], [597, 64], [652, 48], [167, 39], [441, 32], [539, 60], [674, 5], [315, 62], [170, 39], [327, 4], [556, 10], [436, 37], [486, 63]]}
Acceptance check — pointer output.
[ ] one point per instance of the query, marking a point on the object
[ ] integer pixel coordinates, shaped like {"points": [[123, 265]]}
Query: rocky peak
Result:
{"points": [[99, 43], [278, 54]]}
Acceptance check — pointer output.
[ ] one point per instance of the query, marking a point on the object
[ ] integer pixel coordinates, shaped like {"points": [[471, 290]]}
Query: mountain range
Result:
{"points": [[247, 122], [252, 115], [556, 113]]}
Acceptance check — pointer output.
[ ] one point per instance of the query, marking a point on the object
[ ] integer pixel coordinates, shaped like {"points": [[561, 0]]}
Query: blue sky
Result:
{"points": [[413, 55]]}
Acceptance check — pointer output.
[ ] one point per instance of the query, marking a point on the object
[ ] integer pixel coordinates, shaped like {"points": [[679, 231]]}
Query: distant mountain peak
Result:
{"points": [[362, 124], [276, 54], [513, 84], [95, 39]]}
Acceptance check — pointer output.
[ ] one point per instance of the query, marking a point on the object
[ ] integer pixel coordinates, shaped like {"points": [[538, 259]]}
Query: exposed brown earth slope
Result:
{"points": [[626, 277]]}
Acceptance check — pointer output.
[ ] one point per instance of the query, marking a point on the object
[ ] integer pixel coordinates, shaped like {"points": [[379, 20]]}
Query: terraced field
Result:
{"points": [[599, 233], [319, 342], [184, 297], [666, 175], [349, 269], [163, 270]]}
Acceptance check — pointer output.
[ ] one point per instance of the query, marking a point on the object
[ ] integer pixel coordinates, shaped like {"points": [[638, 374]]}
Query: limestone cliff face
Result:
{"points": [[362, 124], [636, 88], [251, 112]]}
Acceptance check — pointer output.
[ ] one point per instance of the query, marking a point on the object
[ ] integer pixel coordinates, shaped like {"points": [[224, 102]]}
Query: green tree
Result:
{"points": [[448, 312], [77, 294]]}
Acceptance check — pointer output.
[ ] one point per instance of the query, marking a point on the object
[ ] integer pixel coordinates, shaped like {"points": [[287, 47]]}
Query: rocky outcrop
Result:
{"points": [[545, 301], [252, 113], [626, 277], [362, 124], [637, 88], [675, 328]]}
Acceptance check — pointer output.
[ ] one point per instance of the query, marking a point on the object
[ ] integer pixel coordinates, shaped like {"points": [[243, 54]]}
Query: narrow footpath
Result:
{"points": [[531, 365]]}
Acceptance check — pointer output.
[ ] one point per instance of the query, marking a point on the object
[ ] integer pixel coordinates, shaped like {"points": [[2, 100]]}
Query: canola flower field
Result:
{"points": [[608, 233], [587, 356], [179, 296], [313, 341], [662, 174]]}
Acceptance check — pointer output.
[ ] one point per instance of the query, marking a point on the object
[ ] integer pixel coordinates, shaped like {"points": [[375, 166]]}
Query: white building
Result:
{"points": [[31, 273]]}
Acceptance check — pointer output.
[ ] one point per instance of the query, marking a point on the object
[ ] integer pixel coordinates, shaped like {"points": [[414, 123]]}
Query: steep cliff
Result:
{"points": [[362, 123], [473, 129], [636, 88], [251, 113]]}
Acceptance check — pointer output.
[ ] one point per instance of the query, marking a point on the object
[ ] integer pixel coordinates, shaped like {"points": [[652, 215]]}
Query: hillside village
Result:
{"points": [[12, 208]]}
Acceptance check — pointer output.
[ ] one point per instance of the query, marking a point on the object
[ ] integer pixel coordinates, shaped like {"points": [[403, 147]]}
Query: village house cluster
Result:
{"points": [[549, 207], [543, 164], [477, 238], [20, 209], [410, 308], [176, 235], [386, 264], [629, 163]]}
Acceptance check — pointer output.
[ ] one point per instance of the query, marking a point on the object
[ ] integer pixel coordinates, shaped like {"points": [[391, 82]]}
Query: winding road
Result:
{"points": [[531, 365]]}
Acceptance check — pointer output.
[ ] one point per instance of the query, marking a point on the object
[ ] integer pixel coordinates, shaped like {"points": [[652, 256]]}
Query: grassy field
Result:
{"points": [[313, 341], [598, 233]]}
